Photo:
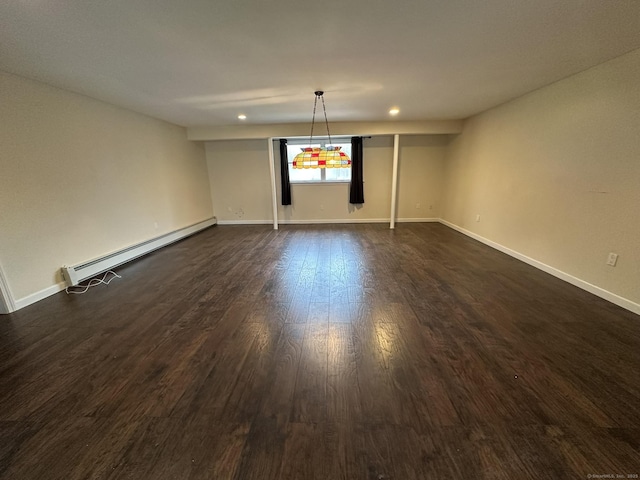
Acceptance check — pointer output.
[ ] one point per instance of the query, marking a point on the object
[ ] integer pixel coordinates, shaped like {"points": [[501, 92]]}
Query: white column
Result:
{"points": [[7, 304], [394, 180], [274, 194]]}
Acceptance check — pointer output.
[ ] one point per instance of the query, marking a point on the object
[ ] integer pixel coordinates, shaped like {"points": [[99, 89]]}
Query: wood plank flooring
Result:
{"points": [[322, 352]]}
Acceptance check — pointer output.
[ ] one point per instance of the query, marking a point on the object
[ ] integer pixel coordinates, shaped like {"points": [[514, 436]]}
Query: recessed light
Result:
{"points": [[394, 111], [242, 116]]}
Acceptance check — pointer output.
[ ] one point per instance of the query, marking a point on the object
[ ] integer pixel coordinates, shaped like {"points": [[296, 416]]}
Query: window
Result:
{"points": [[317, 175]]}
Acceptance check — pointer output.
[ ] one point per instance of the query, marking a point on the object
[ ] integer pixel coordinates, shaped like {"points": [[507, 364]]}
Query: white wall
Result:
{"points": [[241, 189], [80, 178], [421, 175], [240, 180], [555, 175]]}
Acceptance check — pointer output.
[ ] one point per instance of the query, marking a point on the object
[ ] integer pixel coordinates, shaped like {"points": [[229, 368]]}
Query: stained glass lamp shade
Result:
{"points": [[321, 157]]}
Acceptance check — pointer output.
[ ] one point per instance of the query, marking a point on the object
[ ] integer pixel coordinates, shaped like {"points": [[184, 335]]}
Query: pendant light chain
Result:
{"points": [[325, 119], [319, 94], [313, 118]]}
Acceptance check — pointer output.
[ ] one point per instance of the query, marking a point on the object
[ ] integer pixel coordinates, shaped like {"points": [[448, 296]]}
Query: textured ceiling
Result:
{"points": [[203, 62]]}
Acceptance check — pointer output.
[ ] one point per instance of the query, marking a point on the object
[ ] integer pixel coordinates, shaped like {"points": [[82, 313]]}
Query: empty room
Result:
{"points": [[319, 240]]}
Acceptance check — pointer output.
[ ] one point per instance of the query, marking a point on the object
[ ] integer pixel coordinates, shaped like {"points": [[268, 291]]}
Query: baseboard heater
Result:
{"points": [[75, 274]]}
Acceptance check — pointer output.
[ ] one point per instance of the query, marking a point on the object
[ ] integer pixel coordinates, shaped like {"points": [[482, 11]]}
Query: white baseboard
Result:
{"points": [[306, 221], [332, 220], [595, 290], [40, 295], [315, 221], [7, 304], [358, 220], [245, 222], [417, 220]]}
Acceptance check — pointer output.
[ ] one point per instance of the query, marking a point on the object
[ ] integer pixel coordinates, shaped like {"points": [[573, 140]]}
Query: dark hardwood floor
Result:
{"points": [[322, 352]]}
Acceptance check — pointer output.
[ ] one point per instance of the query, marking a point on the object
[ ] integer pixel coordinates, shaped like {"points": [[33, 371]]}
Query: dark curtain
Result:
{"points": [[356, 191], [284, 173]]}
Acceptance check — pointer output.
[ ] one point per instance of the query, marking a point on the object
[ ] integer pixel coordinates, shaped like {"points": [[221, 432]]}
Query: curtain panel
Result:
{"points": [[284, 174], [356, 190]]}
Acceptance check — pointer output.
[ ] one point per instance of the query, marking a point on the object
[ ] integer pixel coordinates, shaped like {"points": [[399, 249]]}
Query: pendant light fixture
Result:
{"points": [[321, 157]]}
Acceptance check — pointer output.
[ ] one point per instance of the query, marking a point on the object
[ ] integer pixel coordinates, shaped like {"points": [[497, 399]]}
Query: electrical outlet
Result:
{"points": [[417, 205], [430, 207], [612, 259], [155, 225], [478, 218]]}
